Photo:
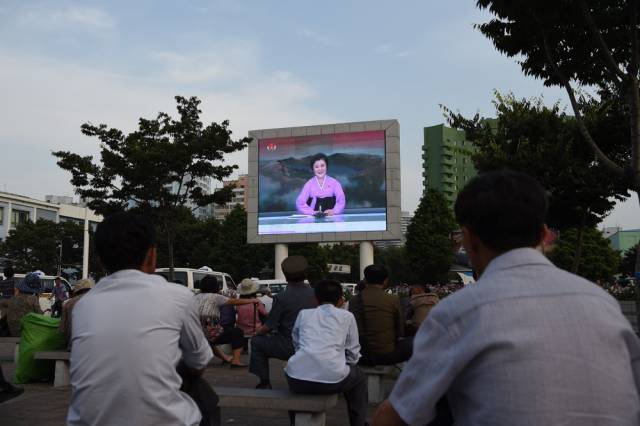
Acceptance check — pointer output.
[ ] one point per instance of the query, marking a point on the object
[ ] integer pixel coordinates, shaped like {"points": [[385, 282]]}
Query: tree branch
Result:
{"points": [[576, 110], [635, 95], [604, 49]]}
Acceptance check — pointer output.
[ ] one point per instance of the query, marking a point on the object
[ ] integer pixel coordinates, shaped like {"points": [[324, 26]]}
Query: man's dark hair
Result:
{"points": [[317, 157], [328, 291], [209, 284], [8, 271], [375, 274], [505, 209], [123, 240]]}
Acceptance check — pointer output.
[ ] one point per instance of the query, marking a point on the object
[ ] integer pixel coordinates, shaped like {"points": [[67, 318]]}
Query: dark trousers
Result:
{"points": [[354, 388], [265, 347], [202, 394], [56, 309], [231, 335], [401, 353]]}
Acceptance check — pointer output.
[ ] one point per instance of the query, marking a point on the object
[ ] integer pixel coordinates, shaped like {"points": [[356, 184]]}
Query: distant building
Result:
{"points": [[16, 209], [200, 212], [610, 230], [238, 198], [447, 164], [624, 240], [404, 224], [58, 199]]}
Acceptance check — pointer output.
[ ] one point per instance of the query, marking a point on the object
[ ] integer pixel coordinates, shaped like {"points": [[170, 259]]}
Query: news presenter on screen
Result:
{"points": [[321, 193]]}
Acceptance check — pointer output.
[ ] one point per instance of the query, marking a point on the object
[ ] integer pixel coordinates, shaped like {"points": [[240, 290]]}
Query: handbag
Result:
{"points": [[212, 328]]}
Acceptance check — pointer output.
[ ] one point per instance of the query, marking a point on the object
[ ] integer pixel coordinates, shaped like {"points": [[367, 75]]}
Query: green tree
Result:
{"points": [[579, 43], [546, 143], [345, 254], [628, 261], [232, 254], [397, 262], [315, 255], [599, 261], [429, 246], [36, 245], [155, 168]]}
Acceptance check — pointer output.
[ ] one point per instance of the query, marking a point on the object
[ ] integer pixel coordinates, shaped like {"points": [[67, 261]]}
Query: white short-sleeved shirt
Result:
{"points": [[326, 342], [128, 335], [528, 344], [209, 304]]}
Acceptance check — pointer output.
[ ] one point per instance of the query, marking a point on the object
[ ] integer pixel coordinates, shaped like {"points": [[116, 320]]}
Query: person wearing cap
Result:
{"points": [[249, 316], [80, 289], [25, 302], [286, 306]]}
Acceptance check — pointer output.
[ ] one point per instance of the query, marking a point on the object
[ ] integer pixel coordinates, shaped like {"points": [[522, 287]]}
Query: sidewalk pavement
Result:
{"points": [[43, 405]]}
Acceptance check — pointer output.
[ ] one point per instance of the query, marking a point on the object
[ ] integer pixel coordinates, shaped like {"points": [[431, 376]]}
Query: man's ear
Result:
{"points": [[149, 264]]}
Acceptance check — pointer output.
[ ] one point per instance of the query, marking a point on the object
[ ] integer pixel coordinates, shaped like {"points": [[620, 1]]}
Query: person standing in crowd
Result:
{"points": [[528, 343], [59, 294], [209, 302], [23, 303], [327, 351], [249, 317], [80, 289], [131, 333], [420, 304], [380, 321], [286, 305], [7, 285]]}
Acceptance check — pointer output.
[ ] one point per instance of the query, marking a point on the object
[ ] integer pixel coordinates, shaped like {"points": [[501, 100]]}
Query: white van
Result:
{"points": [[191, 278]]}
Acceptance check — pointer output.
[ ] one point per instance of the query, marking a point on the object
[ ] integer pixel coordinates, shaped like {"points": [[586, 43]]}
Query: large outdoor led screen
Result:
{"points": [[322, 183]]}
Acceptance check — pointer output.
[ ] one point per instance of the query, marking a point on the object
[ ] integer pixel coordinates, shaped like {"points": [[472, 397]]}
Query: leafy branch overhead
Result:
{"points": [[157, 166]]}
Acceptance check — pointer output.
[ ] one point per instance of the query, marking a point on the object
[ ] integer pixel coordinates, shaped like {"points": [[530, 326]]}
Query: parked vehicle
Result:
{"points": [[191, 278], [276, 286], [48, 281]]}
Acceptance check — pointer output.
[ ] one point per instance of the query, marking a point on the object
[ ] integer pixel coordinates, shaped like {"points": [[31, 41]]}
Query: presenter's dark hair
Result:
{"points": [[209, 284], [375, 274], [505, 209], [123, 240], [328, 291], [317, 157]]}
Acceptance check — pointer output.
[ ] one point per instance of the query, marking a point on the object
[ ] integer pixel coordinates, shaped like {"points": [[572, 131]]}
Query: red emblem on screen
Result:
{"points": [[271, 147]]}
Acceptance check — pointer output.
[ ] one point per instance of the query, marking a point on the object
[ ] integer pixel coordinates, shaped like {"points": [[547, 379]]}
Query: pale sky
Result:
{"points": [[260, 64]]}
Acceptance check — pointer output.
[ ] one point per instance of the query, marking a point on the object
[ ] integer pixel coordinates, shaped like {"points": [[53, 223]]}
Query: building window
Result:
{"points": [[18, 217]]}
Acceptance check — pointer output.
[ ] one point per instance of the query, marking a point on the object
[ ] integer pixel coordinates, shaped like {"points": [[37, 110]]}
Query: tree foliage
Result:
{"points": [[429, 247], [155, 168], [36, 245], [577, 43], [628, 261], [599, 261], [546, 143]]}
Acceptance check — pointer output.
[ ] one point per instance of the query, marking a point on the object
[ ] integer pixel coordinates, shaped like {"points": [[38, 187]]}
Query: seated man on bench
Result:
{"points": [[327, 352], [286, 305]]}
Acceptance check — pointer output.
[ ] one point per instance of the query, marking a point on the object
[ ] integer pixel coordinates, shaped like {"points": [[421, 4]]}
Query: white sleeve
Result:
{"points": [[295, 333], [196, 351], [427, 375]]}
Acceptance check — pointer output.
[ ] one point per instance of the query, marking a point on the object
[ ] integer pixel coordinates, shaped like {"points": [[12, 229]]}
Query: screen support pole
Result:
{"points": [[282, 252], [366, 256]]}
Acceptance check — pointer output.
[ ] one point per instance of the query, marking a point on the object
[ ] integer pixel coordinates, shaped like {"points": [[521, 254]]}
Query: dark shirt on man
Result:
{"points": [[287, 304], [379, 319]]}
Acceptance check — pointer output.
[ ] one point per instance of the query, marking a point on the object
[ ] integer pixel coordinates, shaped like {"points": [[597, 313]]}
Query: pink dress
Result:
{"points": [[245, 318], [312, 191]]}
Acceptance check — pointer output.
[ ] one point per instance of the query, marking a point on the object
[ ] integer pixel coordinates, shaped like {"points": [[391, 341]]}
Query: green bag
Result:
{"points": [[38, 333]]}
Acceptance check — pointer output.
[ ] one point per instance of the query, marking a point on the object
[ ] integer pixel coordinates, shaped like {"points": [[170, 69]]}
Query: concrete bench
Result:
{"points": [[375, 391], [310, 410], [15, 341], [61, 358]]}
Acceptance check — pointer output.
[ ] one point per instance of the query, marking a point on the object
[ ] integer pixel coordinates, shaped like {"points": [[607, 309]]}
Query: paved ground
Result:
{"points": [[43, 405]]}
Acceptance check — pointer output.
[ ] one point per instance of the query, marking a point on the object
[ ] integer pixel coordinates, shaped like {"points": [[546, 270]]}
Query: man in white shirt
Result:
{"points": [[327, 351], [129, 333]]}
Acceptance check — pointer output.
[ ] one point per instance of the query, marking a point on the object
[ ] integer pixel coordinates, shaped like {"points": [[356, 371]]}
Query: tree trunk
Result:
{"points": [[169, 230], [580, 237]]}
